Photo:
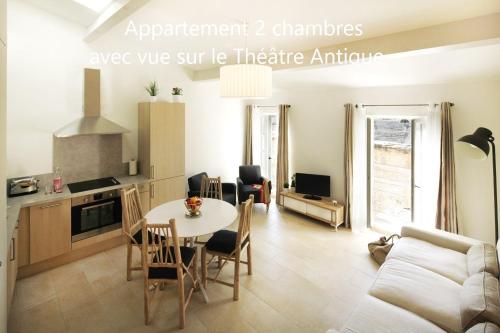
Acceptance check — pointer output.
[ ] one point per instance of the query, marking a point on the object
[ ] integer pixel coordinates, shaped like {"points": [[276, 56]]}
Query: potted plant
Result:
{"points": [[293, 182], [176, 94], [152, 90], [286, 185]]}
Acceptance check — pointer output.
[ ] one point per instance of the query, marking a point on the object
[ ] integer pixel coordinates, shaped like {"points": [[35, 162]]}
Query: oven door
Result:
{"points": [[95, 218]]}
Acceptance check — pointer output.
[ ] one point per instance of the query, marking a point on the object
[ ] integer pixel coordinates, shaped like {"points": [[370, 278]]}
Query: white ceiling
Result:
{"points": [[379, 17], [68, 9], [465, 64]]}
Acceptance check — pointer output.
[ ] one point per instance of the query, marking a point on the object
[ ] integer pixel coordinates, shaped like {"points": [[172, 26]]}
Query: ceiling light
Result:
{"points": [[246, 80], [95, 5]]}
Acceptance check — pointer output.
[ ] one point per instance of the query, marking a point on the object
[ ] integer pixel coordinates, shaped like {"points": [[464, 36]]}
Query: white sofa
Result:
{"points": [[420, 287]]}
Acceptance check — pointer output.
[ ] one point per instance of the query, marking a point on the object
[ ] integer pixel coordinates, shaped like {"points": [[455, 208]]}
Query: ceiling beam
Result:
{"points": [[114, 14], [437, 38]]}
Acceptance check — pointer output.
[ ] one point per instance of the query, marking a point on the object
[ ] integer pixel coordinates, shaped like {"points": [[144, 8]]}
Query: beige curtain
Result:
{"points": [[248, 136], [282, 170], [446, 216], [348, 148]]}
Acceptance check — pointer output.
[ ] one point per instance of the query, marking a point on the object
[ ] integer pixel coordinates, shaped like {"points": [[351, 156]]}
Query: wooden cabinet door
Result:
{"points": [[3, 21], [167, 140], [166, 190], [50, 230], [144, 197], [24, 238], [12, 268]]}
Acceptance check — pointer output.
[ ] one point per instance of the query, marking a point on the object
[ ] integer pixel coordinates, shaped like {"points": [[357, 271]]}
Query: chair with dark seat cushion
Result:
{"points": [[228, 189], [166, 261], [249, 177], [227, 246]]}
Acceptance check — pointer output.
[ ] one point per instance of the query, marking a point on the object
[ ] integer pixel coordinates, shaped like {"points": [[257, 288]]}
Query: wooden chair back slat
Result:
{"points": [[131, 211], [211, 188], [245, 220], [164, 236]]}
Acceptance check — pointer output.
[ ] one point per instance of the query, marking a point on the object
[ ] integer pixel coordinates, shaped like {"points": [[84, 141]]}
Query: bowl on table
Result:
{"points": [[193, 206]]}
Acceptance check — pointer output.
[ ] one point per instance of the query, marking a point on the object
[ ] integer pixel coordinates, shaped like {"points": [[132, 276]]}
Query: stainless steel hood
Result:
{"points": [[92, 123]]}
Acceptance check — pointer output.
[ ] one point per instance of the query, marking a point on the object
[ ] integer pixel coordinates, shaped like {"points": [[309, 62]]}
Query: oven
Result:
{"points": [[95, 214]]}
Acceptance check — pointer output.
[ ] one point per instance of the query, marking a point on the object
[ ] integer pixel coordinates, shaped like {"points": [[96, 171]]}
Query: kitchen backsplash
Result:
{"points": [[88, 157]]}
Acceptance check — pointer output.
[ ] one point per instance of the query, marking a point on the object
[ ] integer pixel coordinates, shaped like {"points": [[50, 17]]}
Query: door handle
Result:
{"points": [[152, 191], [152, 172], [13, 250]]}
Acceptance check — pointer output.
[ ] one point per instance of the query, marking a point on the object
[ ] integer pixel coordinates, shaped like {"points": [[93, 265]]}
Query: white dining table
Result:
{"points": [[215, 215]]}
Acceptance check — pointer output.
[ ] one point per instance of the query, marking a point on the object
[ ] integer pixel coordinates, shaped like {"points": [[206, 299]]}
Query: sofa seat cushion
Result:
{"points": [[375, 315], [482, 258], [484, 328], [440, 260], [421, 291], [480, 300]]}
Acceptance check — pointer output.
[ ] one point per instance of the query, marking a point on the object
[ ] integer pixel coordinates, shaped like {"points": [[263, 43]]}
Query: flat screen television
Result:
{"points": [[313, 186]]}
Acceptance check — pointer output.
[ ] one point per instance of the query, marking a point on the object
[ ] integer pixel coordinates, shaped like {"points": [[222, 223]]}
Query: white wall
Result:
{"points": [[317, 130], [45, 92]]}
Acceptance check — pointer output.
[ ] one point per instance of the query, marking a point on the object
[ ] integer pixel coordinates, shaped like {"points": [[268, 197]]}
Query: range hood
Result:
{"points": [[92, 123]]}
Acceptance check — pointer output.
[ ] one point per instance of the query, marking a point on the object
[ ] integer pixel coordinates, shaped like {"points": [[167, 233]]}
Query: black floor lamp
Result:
{"points": [[479, 142]]}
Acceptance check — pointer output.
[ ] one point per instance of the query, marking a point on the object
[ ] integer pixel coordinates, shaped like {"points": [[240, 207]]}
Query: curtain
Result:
{"points": [[359, 202], [349, 110], [282, 163], [446, 217], [248, 136]]}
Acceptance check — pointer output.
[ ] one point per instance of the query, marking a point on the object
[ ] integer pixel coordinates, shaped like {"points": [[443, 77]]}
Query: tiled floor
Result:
{"points": [[307, 278]]}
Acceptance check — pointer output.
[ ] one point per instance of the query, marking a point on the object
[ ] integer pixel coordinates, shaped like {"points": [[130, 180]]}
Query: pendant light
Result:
{"points": [[246, 80]]}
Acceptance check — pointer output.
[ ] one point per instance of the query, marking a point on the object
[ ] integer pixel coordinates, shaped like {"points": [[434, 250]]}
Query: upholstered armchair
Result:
{"points": [[250, 182], [228, 189]]}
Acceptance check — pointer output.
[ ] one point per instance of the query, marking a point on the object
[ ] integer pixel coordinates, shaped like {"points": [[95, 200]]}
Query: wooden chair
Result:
{"points": [[131, 226], [211, 188], [227, 246], [165, 262]]}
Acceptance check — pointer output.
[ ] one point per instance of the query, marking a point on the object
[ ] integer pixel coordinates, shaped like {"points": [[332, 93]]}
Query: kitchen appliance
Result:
{"points": [[22, 186], [93, 184], [95, 213]]}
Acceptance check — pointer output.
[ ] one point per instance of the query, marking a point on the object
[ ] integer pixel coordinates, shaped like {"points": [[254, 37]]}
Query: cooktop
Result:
{"points": [[92, 184]]}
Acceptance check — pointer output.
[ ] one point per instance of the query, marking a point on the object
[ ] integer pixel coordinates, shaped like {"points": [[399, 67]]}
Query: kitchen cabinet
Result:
{"points": [[23, 254], [162, 150], [3, 21], [50, 230], [166, 190], [144, 197], [12, 257]]}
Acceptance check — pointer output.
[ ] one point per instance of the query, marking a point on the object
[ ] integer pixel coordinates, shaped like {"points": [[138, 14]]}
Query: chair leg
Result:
{"points": [[236, 291], [129, 260], [219, 262], [195, 266], [204, 266], [267, 207], [146, 301], [182, 313], [249, 258]]}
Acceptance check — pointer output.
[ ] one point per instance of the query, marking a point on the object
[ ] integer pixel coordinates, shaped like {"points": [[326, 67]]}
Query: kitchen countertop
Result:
{"points": [[15, 204]]}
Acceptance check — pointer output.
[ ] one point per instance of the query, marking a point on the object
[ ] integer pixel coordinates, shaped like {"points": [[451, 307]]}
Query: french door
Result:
{"points": [[265, 140]]}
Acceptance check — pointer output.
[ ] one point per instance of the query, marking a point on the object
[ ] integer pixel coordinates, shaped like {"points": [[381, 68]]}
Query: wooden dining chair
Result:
{"points": [[227, 246], [167, 261], [211, 188], [132, 218]]}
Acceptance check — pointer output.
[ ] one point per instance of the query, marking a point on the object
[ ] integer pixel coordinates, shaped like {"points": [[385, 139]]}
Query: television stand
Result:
{"points": [[312, 197], [322, 209]]}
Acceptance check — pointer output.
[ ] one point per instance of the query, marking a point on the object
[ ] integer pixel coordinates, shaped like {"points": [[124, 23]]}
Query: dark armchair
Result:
{"points": [[249, 176], [228, 189]]}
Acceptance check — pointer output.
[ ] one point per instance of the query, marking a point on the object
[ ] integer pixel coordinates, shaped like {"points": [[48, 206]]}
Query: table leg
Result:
{"points": [[198, 280]]}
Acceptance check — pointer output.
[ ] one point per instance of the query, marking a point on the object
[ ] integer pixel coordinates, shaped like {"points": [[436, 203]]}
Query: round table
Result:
{"points": [[215, 215]]}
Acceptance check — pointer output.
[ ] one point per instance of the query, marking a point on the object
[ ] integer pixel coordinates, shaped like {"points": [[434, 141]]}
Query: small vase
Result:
{"points": [[153, 99], [177, 98]]}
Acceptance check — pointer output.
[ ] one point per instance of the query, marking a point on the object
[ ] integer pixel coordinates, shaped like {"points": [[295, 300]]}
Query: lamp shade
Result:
{"points": [[246, 80], [476, 145]]}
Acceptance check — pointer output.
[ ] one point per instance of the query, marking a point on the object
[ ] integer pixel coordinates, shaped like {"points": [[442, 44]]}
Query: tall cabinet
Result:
{"points": [[162, 150]]}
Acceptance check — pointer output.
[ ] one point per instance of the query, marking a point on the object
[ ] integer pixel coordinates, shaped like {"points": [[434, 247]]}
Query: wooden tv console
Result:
{"points": [[323, 210]]}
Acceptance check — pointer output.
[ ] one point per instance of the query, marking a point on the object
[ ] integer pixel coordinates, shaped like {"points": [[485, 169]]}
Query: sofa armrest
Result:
{"points": [[440, 238], [228, 188]]}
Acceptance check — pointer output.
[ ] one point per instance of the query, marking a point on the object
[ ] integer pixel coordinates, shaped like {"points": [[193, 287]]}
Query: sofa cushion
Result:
{"points": [[421, 291], [375, 315], [482, 258], [446, 262], [486, 327], [480, 300]]}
